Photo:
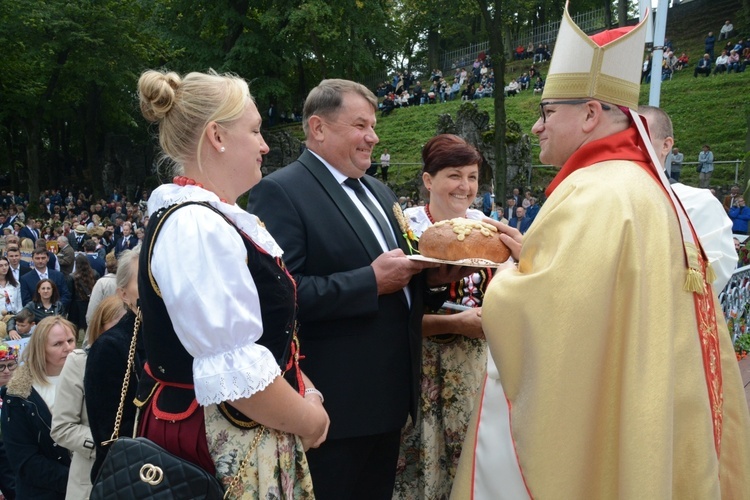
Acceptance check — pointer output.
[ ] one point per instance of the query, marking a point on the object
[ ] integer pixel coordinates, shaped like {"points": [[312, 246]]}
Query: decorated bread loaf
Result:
{"points": [[458, 239]]}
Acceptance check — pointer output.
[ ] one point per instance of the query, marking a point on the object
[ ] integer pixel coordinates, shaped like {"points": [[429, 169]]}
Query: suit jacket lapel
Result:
{"points": [[344, 204], [387, 203]]}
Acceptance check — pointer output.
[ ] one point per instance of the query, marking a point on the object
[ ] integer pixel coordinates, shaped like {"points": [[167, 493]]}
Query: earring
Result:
{"points": [[222, 149]]}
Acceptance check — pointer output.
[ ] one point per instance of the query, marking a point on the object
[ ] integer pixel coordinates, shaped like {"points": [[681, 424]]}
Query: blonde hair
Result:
{"points": [[35, 354], [183, 108], [109, 309], [27, 245]]}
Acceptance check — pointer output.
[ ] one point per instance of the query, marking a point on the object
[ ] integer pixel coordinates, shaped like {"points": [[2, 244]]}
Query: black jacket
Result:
{"points": [[40, 465], [102, 384]]}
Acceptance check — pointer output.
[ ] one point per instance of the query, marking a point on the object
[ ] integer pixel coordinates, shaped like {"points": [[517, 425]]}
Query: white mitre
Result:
{"points": [[606, 66]]}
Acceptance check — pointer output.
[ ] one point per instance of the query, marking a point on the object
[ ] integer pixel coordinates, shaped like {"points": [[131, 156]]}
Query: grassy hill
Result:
{"points": [[713, 110]]}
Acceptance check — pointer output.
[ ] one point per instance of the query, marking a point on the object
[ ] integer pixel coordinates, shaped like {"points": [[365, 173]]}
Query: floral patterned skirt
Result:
{"points": [[276, 469], [431, 446]]}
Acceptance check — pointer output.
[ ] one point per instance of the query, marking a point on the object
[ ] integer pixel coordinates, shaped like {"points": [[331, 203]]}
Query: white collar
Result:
{"points": [[170, 194]]}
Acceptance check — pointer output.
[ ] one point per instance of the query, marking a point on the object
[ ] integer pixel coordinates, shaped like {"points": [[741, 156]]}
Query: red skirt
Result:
{"points": [[184, 438]]}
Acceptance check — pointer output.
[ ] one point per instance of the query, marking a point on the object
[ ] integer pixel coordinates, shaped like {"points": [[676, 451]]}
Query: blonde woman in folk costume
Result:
{"points": [[235, 344]]}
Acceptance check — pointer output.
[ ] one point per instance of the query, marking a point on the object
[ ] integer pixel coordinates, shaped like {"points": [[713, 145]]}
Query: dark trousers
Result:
{"points": [[360, 468], [705, 71]]}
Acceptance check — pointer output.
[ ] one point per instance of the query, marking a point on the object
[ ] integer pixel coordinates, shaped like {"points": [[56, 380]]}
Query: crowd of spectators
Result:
{"points": [[57, 255], [734, 56], [540, 53], [468, 83]]}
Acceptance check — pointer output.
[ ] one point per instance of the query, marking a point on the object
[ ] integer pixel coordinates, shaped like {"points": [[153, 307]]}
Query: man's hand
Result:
{"points": [[14, 335], [511, 236], [393, 271]]}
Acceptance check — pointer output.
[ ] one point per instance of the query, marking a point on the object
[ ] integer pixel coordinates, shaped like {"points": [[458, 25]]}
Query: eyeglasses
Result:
{"points": [[10, 366], [543, 114]]}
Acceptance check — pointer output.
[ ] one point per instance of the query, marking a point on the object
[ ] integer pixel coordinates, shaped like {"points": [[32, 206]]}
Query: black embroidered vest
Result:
{"points": [[170, 374]]}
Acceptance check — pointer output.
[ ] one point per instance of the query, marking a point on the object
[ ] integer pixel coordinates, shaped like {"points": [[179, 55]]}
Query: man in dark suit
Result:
{"points": [[78, 237], [17, 266], [520, 221], [29, 230], [360, 298], [39, 272], [127, 241]]}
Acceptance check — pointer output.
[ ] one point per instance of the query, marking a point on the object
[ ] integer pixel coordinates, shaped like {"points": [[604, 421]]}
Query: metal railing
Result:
{"points": [[588, 21], [734, 301], [737, 164]]}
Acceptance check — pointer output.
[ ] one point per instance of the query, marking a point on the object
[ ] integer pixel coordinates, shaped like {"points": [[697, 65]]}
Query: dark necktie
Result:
{"points": [[385, 228]]}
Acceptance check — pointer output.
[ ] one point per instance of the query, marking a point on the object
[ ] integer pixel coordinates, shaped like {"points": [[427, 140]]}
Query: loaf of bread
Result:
{"points": [[459, 239]]}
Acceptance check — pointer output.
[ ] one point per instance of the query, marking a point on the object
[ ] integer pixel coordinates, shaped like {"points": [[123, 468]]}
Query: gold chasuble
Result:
{"points": [[600, 389]]}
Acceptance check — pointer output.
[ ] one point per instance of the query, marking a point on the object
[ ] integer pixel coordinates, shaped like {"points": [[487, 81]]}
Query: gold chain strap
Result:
{"points": [[126, 381], [236, 479]]}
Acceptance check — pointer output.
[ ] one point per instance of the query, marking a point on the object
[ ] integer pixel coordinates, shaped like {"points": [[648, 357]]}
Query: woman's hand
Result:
{"points": [[470, 323], [322, 422]]}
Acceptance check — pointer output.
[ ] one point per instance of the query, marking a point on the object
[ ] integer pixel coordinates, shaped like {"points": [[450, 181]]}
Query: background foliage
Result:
{"points": [[69, 68]]}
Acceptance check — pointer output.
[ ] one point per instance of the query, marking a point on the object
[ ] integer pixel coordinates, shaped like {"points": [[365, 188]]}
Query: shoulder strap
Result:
{"points": [[162, 215]]}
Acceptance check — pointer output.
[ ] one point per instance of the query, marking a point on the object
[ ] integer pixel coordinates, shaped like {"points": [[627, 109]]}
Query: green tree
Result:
{"points": [[492, 12], [68, 81]]}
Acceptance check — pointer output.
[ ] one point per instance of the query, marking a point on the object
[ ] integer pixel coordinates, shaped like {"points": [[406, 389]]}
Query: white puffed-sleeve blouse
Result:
{"points": [[199, 262]]}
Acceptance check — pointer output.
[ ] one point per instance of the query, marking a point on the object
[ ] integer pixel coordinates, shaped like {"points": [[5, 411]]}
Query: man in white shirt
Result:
{"points": [[726, 30], [385, 163], [706, 213]]}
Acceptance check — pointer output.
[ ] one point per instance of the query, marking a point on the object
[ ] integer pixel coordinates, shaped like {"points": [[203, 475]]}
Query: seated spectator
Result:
{"points": [[512, 89], [703, 66], [533, 72], [520, 52], [721, 62], [455, 89], [479, 93], [529, 51], [726, 30], [22, 325], [739, 46], [387, 105], [682, 62], [524, 81], [417, 95], [734, 62], [538, 85], [468, 92], [539, 54]]}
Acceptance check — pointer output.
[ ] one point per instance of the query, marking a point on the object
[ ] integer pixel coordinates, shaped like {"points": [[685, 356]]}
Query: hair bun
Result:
{"points": [[157, 93]]}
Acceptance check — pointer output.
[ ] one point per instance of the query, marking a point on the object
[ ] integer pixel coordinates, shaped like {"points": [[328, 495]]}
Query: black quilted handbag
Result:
{"points": [[139, 469]]}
